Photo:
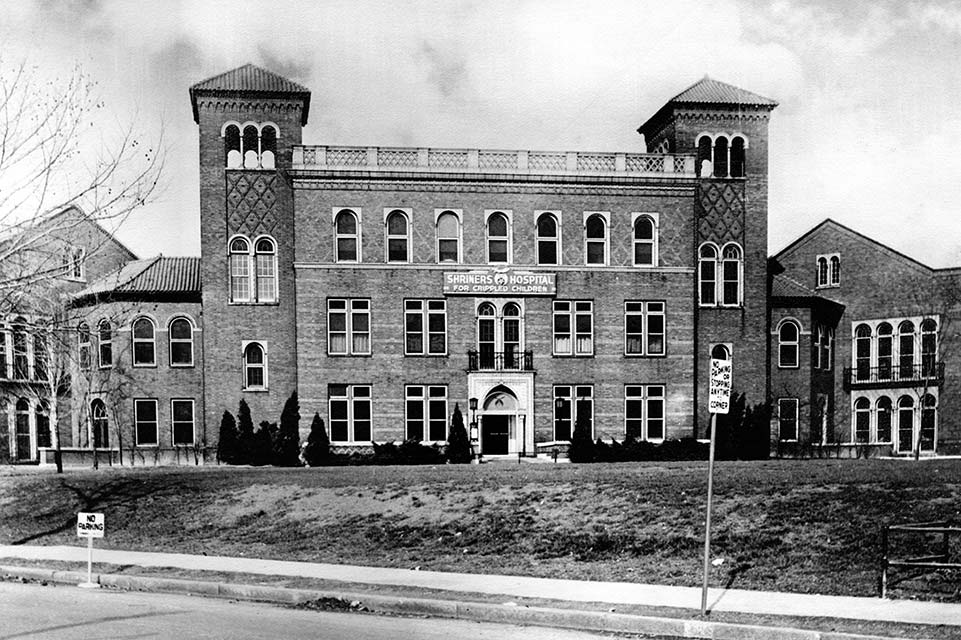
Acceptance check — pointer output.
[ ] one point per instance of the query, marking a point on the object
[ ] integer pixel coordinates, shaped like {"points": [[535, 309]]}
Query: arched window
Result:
{"points": [[498, 238], [99, 424], [822, 275], [239, 270], [862, 352], [705, 157], [41, 418], [731, 273], [40, 357], [346, 237], [720, 157], [738, 168], [707, 274], [789, 334], [105, 344], [83, 343], [645, 241], [268, 147], [251, 147], [720, 352], [548, 239], [486, 339], [929, 422], [448, 237], [398, 238], [885, 351], [181, 336], [23, 435], [905, 423], [511, 335], [929, 348], [835, 271], [884, 419], [906, 350], [21, 362], [144, 343], [232, 155], [255, 366], [862, 420], [265, 258], [595, 237]]}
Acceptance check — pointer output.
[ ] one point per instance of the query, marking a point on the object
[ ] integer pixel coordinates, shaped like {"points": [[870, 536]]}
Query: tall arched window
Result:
{"points": [[705, 157], [144, 343], [250, 147], [929, 347], [885, 413], [486, 340], [512, 335], [929, 422], [707, 274], [738, 163], [4, 359], [255, 366], [731, 273], [885, 351], [720, 352], [239, 250], [232, 155], [905, 423], [595, 238], [448, 237], [41, 418], [548, 239], [22, 432], [789, 334], [862, 352], [906, 350], [398, 237], [265, 259], [268, 147], [181, 336], [21, 362], [105, 344], [40, 357], [99, 424], [835, 271], [346, 237], [862, 420], [720, 157], [822, 275], [498, 239], [645, 241], [83, 345]]}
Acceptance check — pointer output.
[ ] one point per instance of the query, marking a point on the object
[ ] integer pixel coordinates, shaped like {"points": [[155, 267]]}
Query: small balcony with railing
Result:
{"points": [[894, 376], [484, 360]]}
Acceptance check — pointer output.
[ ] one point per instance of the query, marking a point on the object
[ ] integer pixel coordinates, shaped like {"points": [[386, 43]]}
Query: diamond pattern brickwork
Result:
{"points": [[720, 211], [252, 202]]}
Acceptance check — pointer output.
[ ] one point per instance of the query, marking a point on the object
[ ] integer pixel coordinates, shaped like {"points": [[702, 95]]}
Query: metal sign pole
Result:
{"points": [[89, 560], [707, 523]]}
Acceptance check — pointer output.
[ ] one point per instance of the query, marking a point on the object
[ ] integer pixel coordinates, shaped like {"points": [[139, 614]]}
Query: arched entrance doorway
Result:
{"points": [[497, 421], [99, 422]]}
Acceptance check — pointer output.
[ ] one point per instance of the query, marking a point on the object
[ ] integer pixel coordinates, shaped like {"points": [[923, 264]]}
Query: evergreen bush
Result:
{"points": [[317, 450], [286, 445], [227, 444], [458, 445], [245, 435], [582, 447], [263, 440]]}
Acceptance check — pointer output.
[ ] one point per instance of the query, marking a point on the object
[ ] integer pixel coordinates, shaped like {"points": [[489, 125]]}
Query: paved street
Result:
{"points": [[67, 612]]}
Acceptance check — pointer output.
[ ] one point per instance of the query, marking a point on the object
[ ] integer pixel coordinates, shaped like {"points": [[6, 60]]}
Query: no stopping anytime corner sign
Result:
{"points": [[89, 525], [720, 388]]}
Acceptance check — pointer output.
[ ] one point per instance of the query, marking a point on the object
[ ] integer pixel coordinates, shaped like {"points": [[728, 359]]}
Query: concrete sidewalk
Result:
{"points": [[732, 600]]}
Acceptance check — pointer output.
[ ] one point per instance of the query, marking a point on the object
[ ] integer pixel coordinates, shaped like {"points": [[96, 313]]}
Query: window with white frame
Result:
{"points": [[731, 274], [425, 327], [644, 328], [895, 349], [872, 422], [498, 238], [21, 353], [573, 327], [73, 259], [83, 343], [548, 239], [397, 228], [145, 421], [265, 264], [180, 334], [885, 414], [835, 270], [573, 404], [239, 256], [144, 343], [426, 408], [346, 236], [350, 413], [828, 270], [105, 344], [348, 326], [255, 366], [787, 417], [182, 422], [707, 274], [595, 239], [789, 338], [645, 240], [644, 411], [448, 237], [862, 420]]}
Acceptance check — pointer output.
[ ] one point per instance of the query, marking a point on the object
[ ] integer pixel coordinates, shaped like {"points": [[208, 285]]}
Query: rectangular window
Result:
{"points": [[350, 413], [573, 328], [731, 270], [425, 327], [348, 327], [182, 413], [644, 411], [644, 328], [145, 422], [787, 417], [240, 277], [427, 413], [572, 403]]}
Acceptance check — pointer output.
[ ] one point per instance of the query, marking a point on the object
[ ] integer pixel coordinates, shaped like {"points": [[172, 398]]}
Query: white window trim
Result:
{"points": [[655, 249], [645, 335], [740, 277], [425, 312], [777, 335], [797, 419], [459, 214], [134, 341], [425, 401], [409, 215], [156, 404], [250, 268], [100, 341], [509, 214], [171, 340], [350, 398], [349, 331], [606, 215], [645, 418], [573, 400], [255, 277], [559, 238], [193, 422], [572, 313], [358, 214], [243, 359], [817, 279]]}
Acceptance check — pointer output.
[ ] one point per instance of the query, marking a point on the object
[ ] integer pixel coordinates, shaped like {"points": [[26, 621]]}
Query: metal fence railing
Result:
{"points": [[931, 539]]}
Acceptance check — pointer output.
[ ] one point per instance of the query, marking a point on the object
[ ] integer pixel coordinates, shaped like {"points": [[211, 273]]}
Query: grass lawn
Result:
{"points": [[803, 526]]}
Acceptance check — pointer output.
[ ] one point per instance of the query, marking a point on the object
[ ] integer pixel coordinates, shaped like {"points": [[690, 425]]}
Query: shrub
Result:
{"points": [[227, 444], [409, 452], [245, 437], [582, 447], [458, 445], [286, 444], [263, 440], [317, 450]]}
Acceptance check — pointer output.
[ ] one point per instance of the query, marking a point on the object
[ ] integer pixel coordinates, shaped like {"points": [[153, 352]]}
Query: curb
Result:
{"points": [[477, 611]]}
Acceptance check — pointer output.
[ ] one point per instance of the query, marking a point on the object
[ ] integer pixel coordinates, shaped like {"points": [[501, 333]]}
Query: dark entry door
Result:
{"points": [[494, 435]]}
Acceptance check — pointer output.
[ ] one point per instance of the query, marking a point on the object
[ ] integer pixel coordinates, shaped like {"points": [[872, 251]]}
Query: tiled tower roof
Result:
{"points": [[159, 275], [710, 91], [250, 80]]}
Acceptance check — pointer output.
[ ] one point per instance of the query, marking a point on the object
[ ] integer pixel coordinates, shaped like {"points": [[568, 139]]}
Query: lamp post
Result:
{"points": [[472, 404]]}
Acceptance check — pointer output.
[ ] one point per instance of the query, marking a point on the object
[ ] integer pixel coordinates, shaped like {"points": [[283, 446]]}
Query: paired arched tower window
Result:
{"points": [[250, 145], [253, 269], [720, 275], [721, 155], [828, 271]]}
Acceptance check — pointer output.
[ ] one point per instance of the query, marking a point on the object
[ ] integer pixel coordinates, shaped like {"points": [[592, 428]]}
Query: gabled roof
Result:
{"points": [[710, 91], [253, 81], [49, 220], [787, 291], [155, 276]]}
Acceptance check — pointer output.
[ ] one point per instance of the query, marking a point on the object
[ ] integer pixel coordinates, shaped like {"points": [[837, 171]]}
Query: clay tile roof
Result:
{"points": [[785, 287], [250, 79], [159, 275], [710, 91]]}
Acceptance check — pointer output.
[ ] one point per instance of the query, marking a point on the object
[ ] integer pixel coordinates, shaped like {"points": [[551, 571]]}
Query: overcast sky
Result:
{"points": [[869, 92]]}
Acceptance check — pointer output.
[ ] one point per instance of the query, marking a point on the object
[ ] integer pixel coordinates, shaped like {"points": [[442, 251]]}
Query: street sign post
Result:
{"points": [[89, 526], [719, 401]]}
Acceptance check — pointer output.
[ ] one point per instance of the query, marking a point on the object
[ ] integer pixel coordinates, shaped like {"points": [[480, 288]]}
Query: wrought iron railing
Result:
{"points": [[500, 360], [894, 375]]}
